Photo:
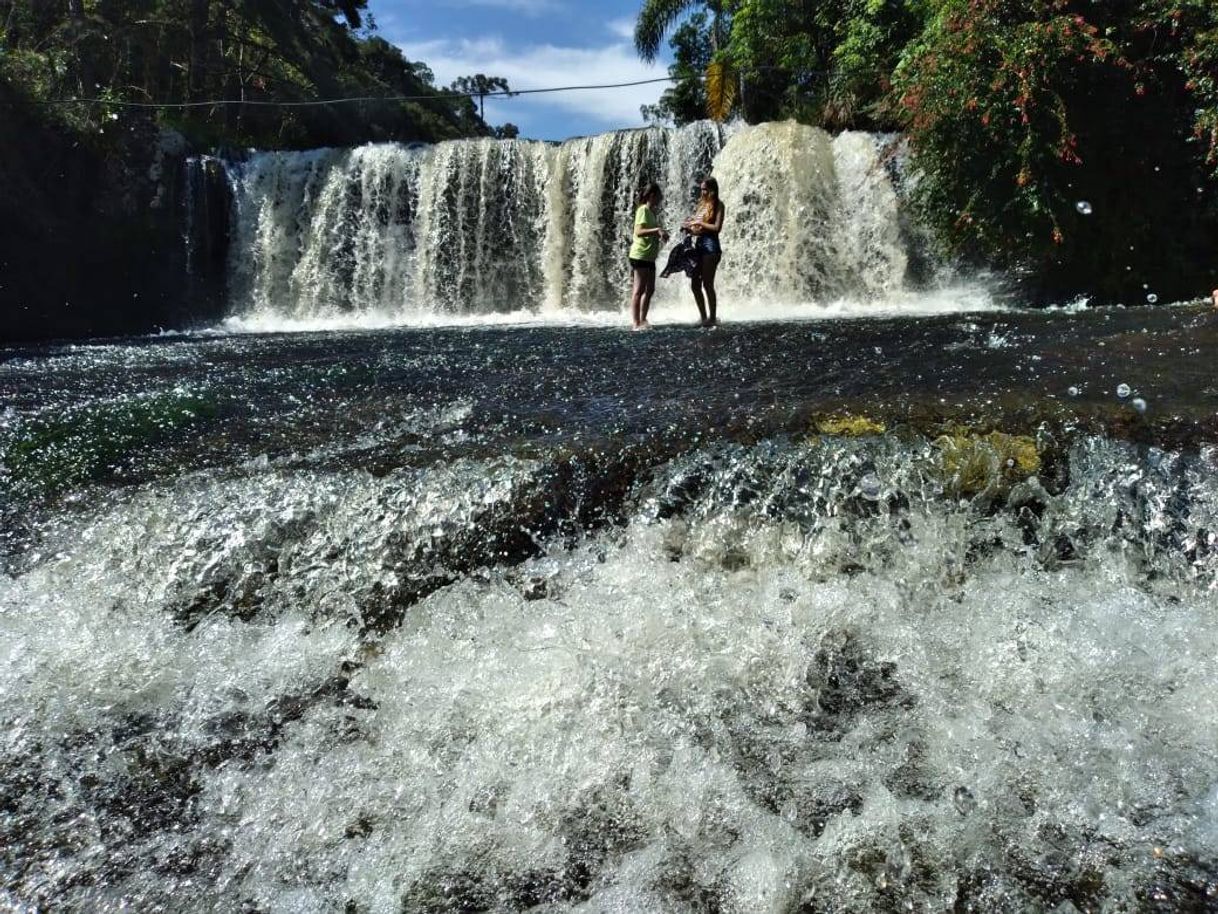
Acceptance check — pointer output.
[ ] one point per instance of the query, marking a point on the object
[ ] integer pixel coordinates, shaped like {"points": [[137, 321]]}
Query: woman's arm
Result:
{"points": [[698, 225]]}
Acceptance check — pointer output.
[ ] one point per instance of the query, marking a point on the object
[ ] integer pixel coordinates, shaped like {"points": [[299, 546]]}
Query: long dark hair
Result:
{"points": [[712, 185], [652, 188]]}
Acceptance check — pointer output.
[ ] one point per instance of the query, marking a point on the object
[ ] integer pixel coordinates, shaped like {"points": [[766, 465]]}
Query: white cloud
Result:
{"points": [[545, 66], [528, 7], [622, 28]]}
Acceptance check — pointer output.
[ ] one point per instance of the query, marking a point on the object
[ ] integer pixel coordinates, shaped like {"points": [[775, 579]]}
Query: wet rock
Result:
{"points": [[815, 809], [362, 827], [972, 464], [844, 680], [847, 425], [1180, 884], [760, 882], [534, 588], [913, 779], [963, 800]]}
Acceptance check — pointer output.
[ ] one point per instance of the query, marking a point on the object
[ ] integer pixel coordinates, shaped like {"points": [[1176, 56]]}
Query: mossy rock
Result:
{"points": [[48, 454], [972, 463], [847, 425]]}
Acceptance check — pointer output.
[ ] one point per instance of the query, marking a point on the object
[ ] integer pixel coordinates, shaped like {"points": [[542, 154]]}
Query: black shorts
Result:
{"points": [[642, 264]]}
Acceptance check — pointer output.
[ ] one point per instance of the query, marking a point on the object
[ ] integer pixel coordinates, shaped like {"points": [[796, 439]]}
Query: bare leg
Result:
{"points": [[710, 264], [695, 285], [636, 298], [649, 289]]}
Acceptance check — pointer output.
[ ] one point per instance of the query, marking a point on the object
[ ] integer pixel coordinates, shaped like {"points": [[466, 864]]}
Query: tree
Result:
{"points": [[826, 62], [1060, 136], [508, 131], [480, 86], [685, 100], [350, 10], [175, 51], [658, 17]]}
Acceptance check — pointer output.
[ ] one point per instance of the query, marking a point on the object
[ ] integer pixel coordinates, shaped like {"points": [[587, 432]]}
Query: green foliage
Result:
{"points": [[245, 50], [985, 91], [1072, 141], [685, 100], [658, 17], [1192, 30], [1055, 134], [45, 456]]}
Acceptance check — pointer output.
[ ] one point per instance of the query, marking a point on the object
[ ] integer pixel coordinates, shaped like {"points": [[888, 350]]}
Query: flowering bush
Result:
{"points": [[1061, 135]]}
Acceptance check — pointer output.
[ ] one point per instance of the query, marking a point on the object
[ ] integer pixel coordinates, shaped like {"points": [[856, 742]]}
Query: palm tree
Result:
{"points": [[658, 16], [722, 82]]}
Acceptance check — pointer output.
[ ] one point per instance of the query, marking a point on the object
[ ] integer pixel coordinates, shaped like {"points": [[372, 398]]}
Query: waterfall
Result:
{"points": [[470, 229]]}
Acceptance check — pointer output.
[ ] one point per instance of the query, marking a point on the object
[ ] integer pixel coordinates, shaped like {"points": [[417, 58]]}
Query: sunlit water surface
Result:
{"points": [[565, 618]]}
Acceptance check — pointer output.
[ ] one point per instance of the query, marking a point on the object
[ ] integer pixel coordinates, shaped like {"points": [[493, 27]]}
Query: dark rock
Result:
{"points": [[91, 240]]}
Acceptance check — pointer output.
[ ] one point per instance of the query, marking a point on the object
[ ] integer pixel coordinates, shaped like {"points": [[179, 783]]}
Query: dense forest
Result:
{"points": [[90, 230], [246, 51], [1072, 143]]}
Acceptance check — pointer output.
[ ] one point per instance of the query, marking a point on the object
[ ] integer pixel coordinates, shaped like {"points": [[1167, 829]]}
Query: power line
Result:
{"points": [[439, 95]]}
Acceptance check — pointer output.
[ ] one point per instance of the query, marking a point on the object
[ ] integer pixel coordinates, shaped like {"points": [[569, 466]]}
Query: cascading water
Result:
{"points": [[557, 620], [478, 228]]}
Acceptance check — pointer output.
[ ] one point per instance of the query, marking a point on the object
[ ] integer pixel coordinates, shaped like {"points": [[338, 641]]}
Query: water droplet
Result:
{"points": [[1123, 390], [1072, 391], [1083, 207], [1139, 404], [869, 487], [1152, 298]]}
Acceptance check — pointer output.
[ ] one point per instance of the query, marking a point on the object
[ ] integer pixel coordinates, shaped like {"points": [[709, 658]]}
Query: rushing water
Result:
{"points": [[573, 619], [477, 229]]}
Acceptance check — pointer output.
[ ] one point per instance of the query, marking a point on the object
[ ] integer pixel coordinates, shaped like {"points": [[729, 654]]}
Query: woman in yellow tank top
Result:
{"points": [[705, 225]]}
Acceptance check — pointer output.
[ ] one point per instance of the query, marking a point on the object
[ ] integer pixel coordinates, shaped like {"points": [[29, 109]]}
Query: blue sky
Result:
{"points": [[533, 44]]}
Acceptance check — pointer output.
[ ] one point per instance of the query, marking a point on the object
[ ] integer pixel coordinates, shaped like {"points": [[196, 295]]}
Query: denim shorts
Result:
{"points": [[708, 244]]}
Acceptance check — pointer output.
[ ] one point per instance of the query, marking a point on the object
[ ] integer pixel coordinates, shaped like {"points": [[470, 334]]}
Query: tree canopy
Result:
{"points": [[1074, 141], [177, 51]]}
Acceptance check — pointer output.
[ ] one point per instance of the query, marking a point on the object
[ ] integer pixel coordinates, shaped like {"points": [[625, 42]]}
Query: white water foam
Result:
{"points": [[761, 694], [961, 299]]}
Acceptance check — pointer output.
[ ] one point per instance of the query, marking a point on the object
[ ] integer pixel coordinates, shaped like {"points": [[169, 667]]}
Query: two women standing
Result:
{"points": [[704, 227]]}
